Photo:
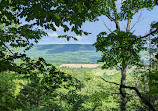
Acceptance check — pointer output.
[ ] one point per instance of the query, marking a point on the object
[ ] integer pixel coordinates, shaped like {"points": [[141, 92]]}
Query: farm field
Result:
{"points": [[80, 65]]}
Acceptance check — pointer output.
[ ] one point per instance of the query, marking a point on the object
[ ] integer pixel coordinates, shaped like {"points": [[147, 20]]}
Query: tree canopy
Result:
{"points": [[120, 48]]}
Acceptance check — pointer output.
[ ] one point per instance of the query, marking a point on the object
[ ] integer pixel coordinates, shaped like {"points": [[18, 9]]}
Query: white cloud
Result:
{"points": [[54, 34], [40, 28], [79, 37], [58, 28]]}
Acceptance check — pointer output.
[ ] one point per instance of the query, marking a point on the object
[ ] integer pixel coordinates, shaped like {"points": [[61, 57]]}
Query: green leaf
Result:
{"points": [[57, 16], [79, 10], [3, 99], [68, 38], [75, 38]]}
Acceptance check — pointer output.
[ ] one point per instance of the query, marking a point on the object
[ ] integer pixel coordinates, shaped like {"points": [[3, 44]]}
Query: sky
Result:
{"points": [[141, 28]]}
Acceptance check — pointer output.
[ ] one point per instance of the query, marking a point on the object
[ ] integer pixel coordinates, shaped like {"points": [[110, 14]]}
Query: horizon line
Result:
{"points": [[63, 44]]}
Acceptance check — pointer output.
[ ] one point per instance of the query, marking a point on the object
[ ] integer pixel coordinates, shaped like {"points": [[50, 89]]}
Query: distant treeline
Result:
{"points": [[58, 54]]}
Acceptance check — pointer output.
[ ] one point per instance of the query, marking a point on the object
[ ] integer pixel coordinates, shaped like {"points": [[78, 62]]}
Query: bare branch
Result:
{"points": [[109, 17], [133, 31], [138, 20], [123, 25], [106, 25], [114, 20], [109, 82], [129, 21], [117, 25]]}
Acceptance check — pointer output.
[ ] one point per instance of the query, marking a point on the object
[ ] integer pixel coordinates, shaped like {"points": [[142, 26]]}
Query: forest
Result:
{"points": [[58, 54], [124, 81]]}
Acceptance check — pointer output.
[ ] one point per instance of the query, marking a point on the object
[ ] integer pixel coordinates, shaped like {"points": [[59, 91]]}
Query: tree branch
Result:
{"points": [[151, 33], [129, 21], [138, 93], [115, 10], [7, 48], [138, 20], [128, 25], [141, 97], [106, 26], [109, 17], [109, 82], [116, 21]]}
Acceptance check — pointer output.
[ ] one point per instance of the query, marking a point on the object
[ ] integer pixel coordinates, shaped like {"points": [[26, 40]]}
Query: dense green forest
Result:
{"points": [[58, 54], [124, 82]]}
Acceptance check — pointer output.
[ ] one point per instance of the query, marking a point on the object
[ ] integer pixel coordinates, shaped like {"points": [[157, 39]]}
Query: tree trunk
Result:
{"points": [[122, 90]]}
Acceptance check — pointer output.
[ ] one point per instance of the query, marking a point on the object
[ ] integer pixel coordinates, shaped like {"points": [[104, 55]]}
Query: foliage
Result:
{"points": [[154, 77], [118, 50], [8, 101], [14, 35], [42, 82], [93, 93], [49, 14], [90, 94]]}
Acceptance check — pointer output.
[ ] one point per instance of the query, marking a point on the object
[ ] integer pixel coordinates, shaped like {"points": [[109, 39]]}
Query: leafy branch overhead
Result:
{"points": [[60, 12]]}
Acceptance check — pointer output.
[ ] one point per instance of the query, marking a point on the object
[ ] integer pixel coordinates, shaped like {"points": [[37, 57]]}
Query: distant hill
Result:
{"points": [[58, 54]]}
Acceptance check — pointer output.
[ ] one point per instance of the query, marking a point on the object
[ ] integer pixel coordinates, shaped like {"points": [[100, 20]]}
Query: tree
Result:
{"points": [[15, 36], [118, 52], [122, 48], [47, 14]]}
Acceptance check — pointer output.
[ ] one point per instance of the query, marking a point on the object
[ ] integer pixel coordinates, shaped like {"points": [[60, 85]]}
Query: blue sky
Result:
{"points": [[95, 28]]}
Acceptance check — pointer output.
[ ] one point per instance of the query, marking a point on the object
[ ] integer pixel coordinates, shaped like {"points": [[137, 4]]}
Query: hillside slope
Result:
{"points": [[58, 54]]}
